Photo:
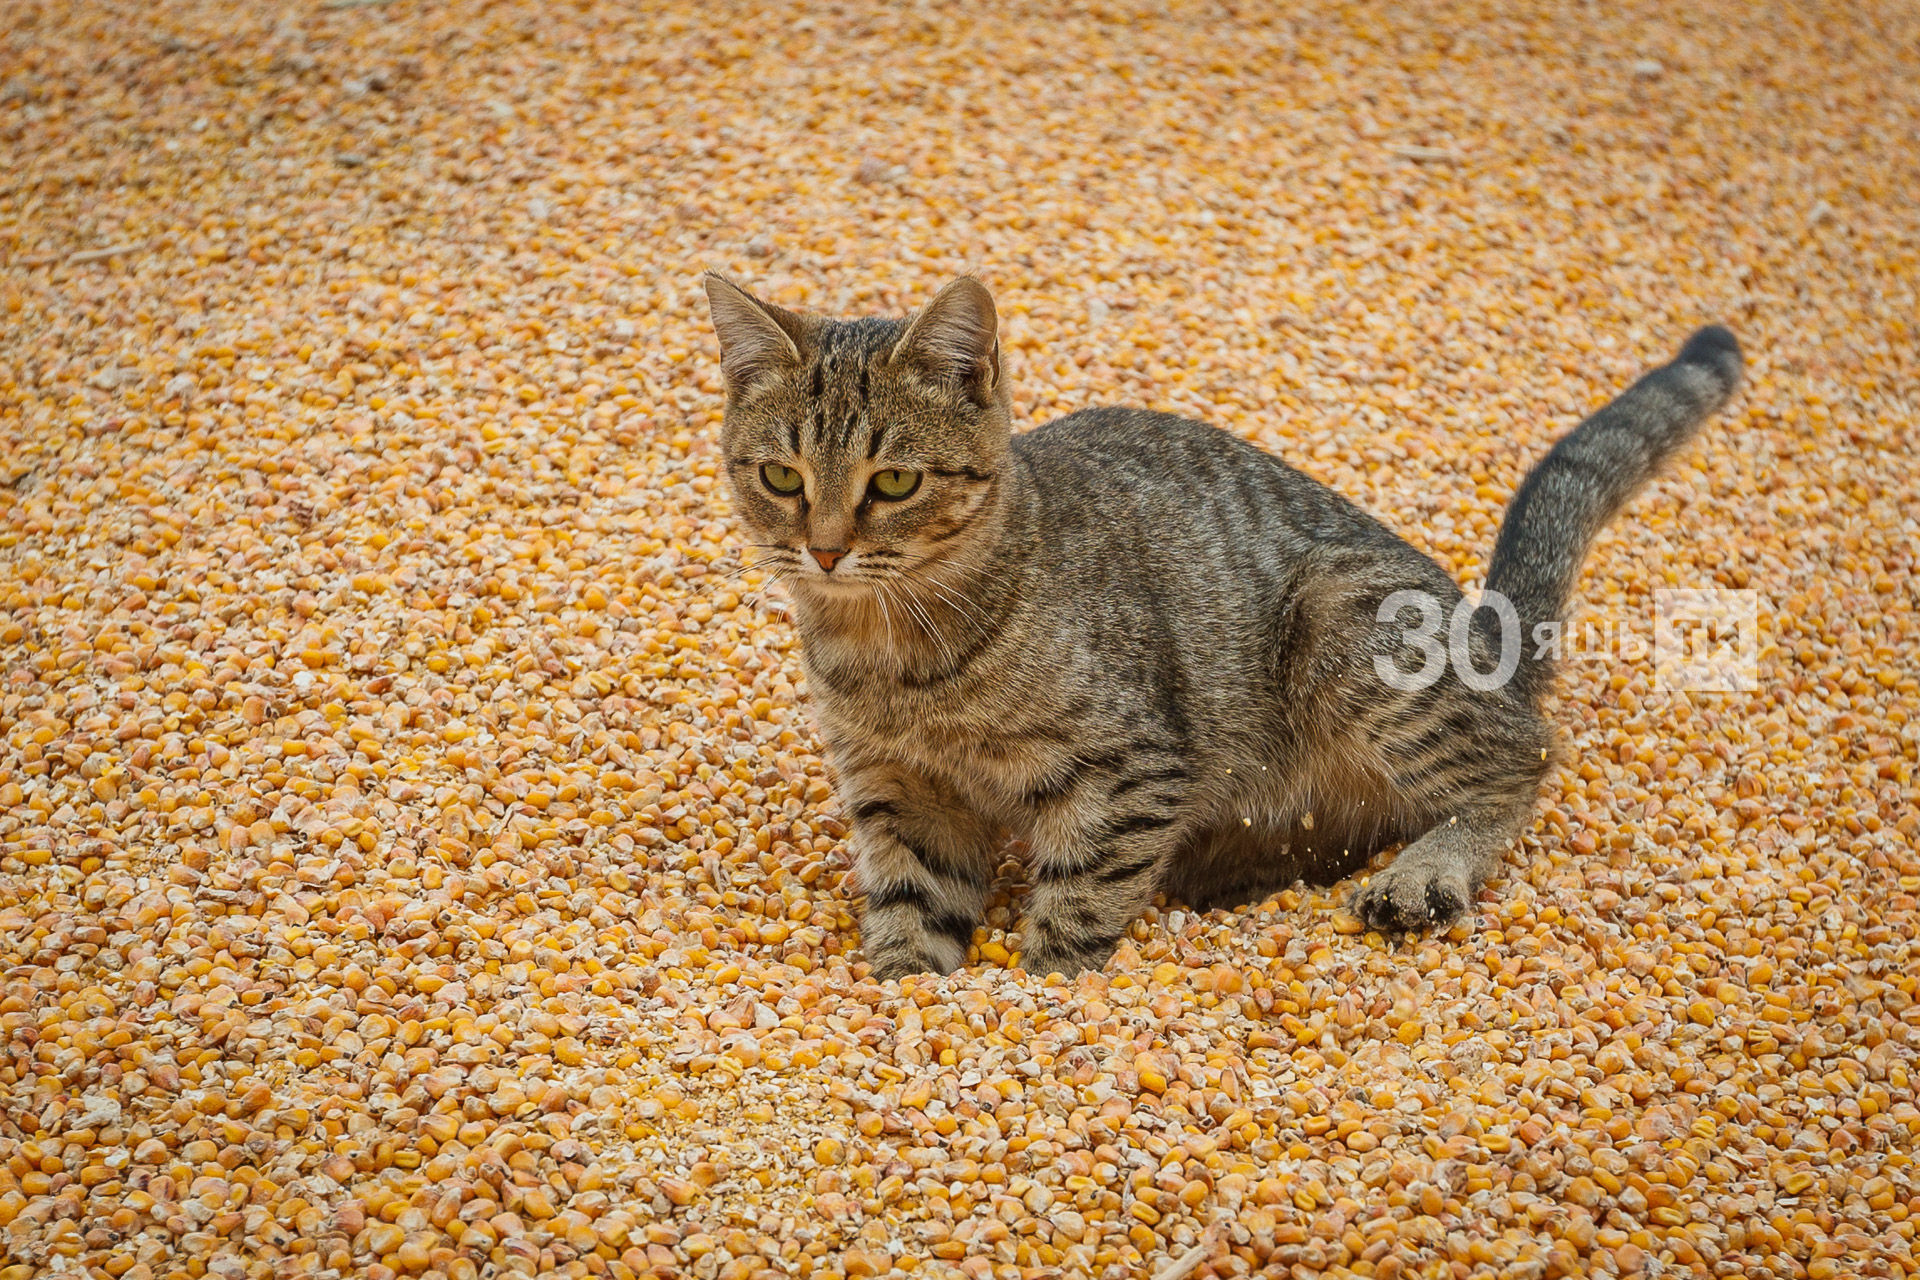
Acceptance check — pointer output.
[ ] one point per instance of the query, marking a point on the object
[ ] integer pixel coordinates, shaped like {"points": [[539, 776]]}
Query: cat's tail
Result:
{"points": [[1589, 475]]}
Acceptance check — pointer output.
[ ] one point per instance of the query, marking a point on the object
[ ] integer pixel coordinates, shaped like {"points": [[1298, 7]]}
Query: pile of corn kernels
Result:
{"points": [[415, 859]]}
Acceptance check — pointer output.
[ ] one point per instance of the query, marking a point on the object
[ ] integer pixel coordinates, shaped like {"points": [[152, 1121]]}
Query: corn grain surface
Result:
{"points": [[414, 858]]}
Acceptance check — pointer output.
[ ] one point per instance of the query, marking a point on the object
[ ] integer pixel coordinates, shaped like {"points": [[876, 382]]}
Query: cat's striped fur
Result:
{"points": [[1137, 640]]}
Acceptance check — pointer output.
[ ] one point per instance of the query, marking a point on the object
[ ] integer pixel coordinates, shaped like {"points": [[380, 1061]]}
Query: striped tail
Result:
{"points": [[1592, 473]]}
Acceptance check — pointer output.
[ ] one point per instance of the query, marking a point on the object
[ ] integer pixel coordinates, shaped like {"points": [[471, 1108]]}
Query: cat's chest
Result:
{"points": [[927, 721], [995, 740]]}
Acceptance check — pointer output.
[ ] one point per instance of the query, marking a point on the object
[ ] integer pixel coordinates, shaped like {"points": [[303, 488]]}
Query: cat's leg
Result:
{"points": [[1470, 775], [1434, 879], [1231, 865], [1236, 864], [1079, 910], [923, 859], [1455, 765], [1100, 850]]}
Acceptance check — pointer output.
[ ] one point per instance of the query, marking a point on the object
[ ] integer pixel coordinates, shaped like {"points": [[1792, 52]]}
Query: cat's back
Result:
{"points": [[1099, 464], [1133, 437]]}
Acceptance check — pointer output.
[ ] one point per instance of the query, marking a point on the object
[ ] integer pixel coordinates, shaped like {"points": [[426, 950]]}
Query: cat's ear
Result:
{"points": [[956, 339], [758, 340]]}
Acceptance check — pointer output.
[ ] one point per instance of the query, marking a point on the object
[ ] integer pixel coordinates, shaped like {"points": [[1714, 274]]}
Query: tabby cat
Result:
{"points": [[1167, 659]]}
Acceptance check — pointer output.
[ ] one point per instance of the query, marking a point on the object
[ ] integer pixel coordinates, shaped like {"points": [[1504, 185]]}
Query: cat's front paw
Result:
{"points": [[902, 962], [1413, 895], [1069, 964]]}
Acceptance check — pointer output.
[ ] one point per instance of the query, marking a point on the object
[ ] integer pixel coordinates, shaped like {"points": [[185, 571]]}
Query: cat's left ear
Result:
{"points": [[956, 339]]}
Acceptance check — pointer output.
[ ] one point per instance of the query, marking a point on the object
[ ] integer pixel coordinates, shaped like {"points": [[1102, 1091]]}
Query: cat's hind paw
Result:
{"points": [[1411, 896]]}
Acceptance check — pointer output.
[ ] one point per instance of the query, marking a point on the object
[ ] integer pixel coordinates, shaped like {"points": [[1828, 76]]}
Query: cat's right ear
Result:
{"points": [[758, 341]]}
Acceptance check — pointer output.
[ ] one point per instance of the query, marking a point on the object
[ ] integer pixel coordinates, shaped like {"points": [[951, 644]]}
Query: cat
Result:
{"points": [[1165, 658]]}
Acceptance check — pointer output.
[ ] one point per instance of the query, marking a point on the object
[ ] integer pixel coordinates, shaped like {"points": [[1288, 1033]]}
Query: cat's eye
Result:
{"points": [[784, 481], [895, 485]]}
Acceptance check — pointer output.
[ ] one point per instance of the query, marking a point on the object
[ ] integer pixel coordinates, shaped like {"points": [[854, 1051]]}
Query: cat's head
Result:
{"points": [[859, 450]]}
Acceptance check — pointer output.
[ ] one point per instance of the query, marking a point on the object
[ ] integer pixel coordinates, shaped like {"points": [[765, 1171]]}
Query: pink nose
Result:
{"points": [[827, 557]]}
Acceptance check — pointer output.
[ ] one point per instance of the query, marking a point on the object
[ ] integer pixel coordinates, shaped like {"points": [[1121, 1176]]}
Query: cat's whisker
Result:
{"points": [[923, 568], [933, 631], [879, 598], [959, 601], [967, 608], [738, 575], [906, 608], [759, 597]]}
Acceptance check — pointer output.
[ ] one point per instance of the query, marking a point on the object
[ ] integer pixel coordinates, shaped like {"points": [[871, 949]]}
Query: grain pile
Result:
{"points": [[415, 859]]}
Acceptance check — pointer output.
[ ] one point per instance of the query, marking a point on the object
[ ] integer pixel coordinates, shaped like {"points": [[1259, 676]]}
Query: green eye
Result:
{"points": [[895, 484], [784, 481]]}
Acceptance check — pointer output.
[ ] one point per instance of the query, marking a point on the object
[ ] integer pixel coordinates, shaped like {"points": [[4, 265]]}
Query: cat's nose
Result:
{"points": [[827, 557]]}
